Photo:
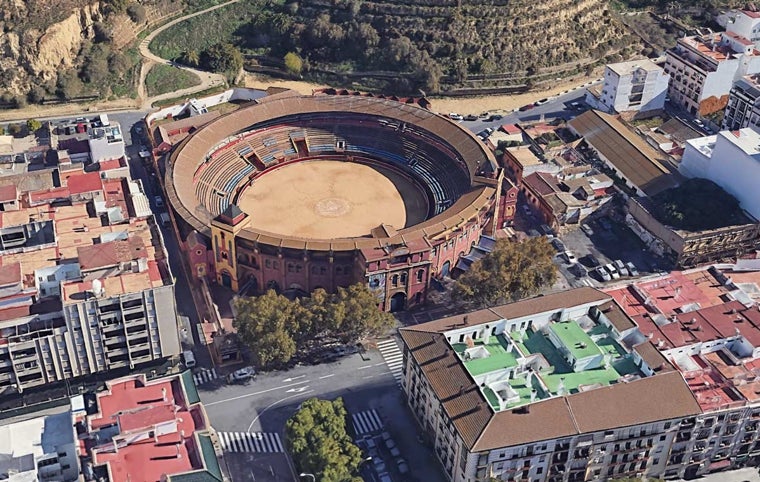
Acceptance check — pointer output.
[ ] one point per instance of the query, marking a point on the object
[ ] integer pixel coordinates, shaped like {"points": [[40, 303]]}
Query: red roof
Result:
{"points": [[37, 197], [10, 273], [82, 183], [510, 129], [8, 193], [541, 183], [110, 164], [751, 14]]}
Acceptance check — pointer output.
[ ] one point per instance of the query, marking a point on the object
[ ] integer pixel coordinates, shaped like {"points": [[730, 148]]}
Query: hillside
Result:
{"points": [[65, 49]]}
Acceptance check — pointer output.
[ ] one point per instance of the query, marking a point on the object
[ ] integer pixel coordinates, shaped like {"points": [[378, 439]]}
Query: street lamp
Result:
{"points": [[304, 474]]}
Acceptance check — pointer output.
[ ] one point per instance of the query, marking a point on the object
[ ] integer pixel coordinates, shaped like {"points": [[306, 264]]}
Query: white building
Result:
{"points": [[742, 22], [703, 69], [638, 85], [106, 143], [743, 109], [730, 159], [40, 449]]}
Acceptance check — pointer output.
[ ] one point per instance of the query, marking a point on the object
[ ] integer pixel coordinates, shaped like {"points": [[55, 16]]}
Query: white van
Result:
{"points": [[188, 359]]}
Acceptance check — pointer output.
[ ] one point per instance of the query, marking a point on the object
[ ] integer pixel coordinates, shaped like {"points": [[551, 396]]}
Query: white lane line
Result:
{"points": [[364, 367], [327, 376], [255, 393]]}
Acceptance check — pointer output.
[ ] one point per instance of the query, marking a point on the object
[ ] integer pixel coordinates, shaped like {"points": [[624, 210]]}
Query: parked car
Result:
{"points": [[587, 229], [379, 465], [495, 117], [241, 375], [386, 436], [632, 268], [612, 271], [384, 477], [546, 230], [159, 201], [570, 257], [558, 245], [602, 274], [395, 452], [542, 101], [526, 107], [471, 117], [455, 116], [578, 270], [591, 261], [484, 134], [620, 267], [390, 443], [403, 468], [533, 233], [575, 105]]}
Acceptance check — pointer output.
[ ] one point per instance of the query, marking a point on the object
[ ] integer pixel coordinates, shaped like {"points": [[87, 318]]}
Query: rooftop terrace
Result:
{"points": [[522, 367]]}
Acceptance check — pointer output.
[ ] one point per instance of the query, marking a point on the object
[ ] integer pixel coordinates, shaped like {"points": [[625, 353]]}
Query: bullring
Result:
{"points": [[299, 192]]}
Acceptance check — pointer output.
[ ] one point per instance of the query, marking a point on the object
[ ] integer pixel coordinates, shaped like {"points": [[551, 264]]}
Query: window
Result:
{"points": [[420, 275], [394, 280], [403, 278], [268, 264], [339, 270], [539, 470]]}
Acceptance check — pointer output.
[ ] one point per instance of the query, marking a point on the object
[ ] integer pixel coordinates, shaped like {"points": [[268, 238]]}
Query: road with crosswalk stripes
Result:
{"points": [[393, 357], [204, 376], [262, 442]]}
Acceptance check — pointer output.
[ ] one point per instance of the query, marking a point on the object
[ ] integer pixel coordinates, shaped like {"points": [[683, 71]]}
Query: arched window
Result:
{"points": [[420, 275], [403, 278], [394, 280]]}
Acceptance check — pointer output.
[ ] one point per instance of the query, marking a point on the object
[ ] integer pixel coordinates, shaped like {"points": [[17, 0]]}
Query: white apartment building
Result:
{"points": [[638, 85], [40, 449], [730, 159], [742, 22], [703, 69], [743, 109], [106, 142]]}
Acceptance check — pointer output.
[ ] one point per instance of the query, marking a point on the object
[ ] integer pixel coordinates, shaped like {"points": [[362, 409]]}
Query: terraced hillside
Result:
{"points": [[440, 43]]}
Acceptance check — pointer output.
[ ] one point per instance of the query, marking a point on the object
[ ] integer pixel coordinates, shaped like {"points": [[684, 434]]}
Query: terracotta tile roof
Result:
{"points": [[82, 183], [540, 183], [10, 273], [660, 397], [652, 357], [460, 397], [617, 316], [111, 253], [543, 420], [8, 193]]}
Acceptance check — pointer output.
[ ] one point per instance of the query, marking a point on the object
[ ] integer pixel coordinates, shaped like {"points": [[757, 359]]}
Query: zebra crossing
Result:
{"points": [[262, 442], [366, 422], [392, 356], [204, 376]]}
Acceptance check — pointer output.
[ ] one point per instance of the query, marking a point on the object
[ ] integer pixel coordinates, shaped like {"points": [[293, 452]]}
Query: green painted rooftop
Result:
{"points": [[498, 356], [575, 339]]}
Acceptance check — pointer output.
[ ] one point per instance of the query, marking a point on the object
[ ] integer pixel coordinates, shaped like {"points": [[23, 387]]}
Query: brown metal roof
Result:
{"points": [[631, 155], [617, 316], [190, 153], [652, 357]]}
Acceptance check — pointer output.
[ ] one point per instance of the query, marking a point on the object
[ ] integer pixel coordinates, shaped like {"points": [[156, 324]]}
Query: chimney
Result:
{"points": [[561, 387], [533, 395]]}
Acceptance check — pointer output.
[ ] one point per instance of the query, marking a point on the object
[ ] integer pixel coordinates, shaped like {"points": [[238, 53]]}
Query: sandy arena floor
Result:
{"points": [[331, 199]]}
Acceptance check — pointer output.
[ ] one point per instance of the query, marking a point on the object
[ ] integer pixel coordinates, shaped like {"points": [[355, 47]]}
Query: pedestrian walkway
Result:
{"points": [[262, 442], [205, 376], [366, 422], [393, 357]]}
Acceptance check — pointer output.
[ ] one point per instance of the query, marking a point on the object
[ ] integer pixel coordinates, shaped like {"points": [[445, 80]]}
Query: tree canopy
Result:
{"points": [[510, 272], [293, 63], [319, 443], [275, 327], [697, 204], [33, 125], [222, 57]]}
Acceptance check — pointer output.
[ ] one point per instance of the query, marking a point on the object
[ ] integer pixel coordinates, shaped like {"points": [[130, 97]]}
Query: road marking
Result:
{"points": [[378, 364], [299, 389], [364, 367], [327, 376], [367, 421], [254, 393], [369, 376], [263, 442], [293, 378], [272, 405]]}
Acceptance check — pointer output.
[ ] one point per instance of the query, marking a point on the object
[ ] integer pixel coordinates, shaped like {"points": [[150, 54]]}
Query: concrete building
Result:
{"points": [[85, 283], [742, 22], [703, 69], [39, 449], [544, 389], [584, 385], [729, 159], [106, 143], [637, 85], [743, 109]]}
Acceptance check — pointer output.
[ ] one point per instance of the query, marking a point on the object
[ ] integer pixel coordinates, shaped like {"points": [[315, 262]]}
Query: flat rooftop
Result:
{"points": [[497, 353], [575, 339]]}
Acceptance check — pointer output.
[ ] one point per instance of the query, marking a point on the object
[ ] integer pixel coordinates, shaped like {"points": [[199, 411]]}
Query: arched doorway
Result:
{"points": [[273, 285], [226, 279], [398, 302], [445, 269]]}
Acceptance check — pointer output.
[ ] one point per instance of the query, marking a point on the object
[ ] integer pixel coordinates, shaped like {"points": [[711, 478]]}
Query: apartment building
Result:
{"points": [[548, 388], [743, 109], [729, 159], [742, 22], [637, 85], [85, 283], [140, 429], [703, 68]]}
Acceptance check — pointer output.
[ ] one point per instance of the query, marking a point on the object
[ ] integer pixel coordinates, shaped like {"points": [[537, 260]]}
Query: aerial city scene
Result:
{"points": [[366, 240]]}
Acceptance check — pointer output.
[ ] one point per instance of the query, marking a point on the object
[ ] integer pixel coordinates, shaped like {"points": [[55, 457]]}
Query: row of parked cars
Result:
{"points": [[603, 272], [378, 448]]}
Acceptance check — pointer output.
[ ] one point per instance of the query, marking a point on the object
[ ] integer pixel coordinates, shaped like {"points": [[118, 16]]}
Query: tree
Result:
{"points": [[33, 125], [319, 443], [265, 323], [222, 57], [293, 63], [137, 13], [510, 272], [14, 129], [191, 58], [355, 314]]}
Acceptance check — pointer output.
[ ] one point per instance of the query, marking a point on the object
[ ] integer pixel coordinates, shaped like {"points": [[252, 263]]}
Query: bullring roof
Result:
{"points": [[191, 153]]}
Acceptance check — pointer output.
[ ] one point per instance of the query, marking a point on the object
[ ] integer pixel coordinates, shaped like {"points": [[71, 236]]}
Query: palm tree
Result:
{"points": [[191, 58]]}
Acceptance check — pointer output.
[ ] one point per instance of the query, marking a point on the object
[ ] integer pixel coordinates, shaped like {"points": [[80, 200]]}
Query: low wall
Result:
{"points": [[236, 93]]}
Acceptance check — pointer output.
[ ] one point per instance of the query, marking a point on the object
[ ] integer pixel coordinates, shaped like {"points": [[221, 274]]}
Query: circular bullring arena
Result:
{"points": [[330, 174]]}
